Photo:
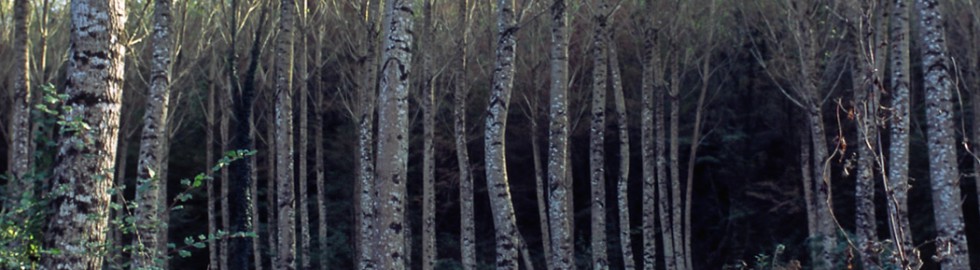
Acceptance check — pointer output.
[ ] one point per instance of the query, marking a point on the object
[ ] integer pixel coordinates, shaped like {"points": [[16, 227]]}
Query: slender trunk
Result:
{"points": [[559, 182], [675, 174], [284, 138], [20, 121], [664, 205], [504, 221], [223, 132], [86, 157], [597, 152], [210, 161], [539, 187], [302, 89], [270, 185], [392, 161], [253, 188], [806, 171], [622, 183], [944, 176], [896, 191], [152, 140], [365, 134], [866, 63], [650, 96], [320, 168], [428, 152], [467, 220]]}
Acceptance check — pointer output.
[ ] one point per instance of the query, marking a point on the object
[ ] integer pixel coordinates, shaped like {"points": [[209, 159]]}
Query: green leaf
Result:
{"points": [[184, 253]]}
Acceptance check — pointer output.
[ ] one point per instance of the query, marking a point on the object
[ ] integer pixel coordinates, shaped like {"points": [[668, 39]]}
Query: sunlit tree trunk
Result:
{"points": [[392, 161], [944, 176], [284, 138], [19, 153], [504, 221], [622, 183], [559, 182], [82, 172], [152, 140], [460, 96], [597, 152], [896, 191]]}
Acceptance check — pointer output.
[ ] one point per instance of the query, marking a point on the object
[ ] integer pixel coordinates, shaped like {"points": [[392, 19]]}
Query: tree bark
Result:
{"points": [[504, 221], [649, 148], [213, 248], [302, 90], [154, 136], [944, 176], [224, 129], [597, 152], [19, 153], [87, 149], [559, 182], [284, 138], [896, 191], [460, 96], [365, 134], [428, 151], [320, 168], [622, 183], [675, 176], [392, 161]]}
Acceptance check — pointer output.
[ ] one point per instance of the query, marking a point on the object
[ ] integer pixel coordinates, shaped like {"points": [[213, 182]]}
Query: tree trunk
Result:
{"points": [[19, 153], [460, 96], [213, 248], [153, 138], [625, 238], [224, 123], [559, 182], [649, 154], [320, 168], [504, 221], [597, 152], [944, 176], [302, 93], [392, 161], [86, 155], [284, 138], [806, 171], [865, 20], [428, 152], [663, 184], [539, 188], [896, 191], [365, 135], [270, 185], [675, 166]]}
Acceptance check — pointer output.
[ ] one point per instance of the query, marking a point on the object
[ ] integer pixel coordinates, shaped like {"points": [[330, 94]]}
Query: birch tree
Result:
{"points": [[367, 86], [87, 147], [622, 181], [460, 96], [152, 141], [504, 221], [428, 150], [897, 188], [392, 162], [597, 152], [868, 70], [284, 134], [559, 182], [944, 175]]}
